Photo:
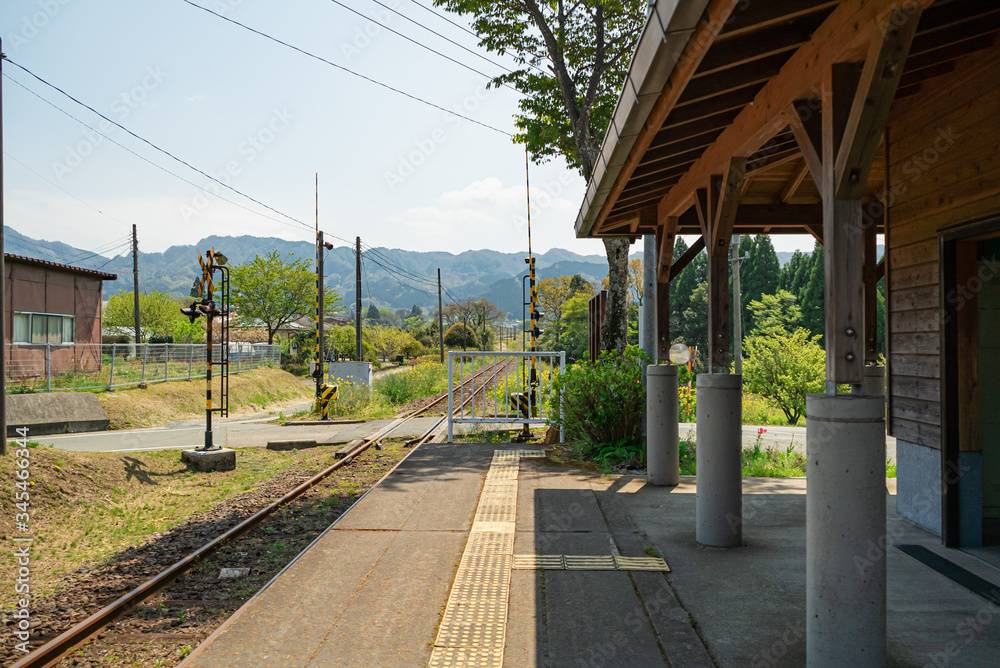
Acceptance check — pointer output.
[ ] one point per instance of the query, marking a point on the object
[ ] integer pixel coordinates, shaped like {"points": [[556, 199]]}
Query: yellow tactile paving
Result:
{"points": [[474, 624]]}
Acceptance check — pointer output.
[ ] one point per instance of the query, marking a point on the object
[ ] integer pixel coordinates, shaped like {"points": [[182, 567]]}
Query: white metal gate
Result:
{"points": [[496, 387]]}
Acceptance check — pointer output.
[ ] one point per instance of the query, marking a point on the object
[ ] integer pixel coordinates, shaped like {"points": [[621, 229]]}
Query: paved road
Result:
{"points": [[234, 434], [779, 437]]}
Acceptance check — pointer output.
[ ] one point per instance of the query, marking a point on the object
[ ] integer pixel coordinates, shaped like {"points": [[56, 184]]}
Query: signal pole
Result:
{"points": [[357, 289], [135, 280], [440, 318]]}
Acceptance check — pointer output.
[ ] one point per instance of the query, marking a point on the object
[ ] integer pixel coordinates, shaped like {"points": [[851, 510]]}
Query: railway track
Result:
{"points": [[58, 648]]}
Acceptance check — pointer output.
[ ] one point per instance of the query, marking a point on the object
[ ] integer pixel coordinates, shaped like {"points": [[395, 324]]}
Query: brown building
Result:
{"points": [[55, 304]]}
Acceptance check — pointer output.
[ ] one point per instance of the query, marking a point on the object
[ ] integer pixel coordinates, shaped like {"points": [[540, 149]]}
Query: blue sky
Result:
{"points": [[266, 119]]}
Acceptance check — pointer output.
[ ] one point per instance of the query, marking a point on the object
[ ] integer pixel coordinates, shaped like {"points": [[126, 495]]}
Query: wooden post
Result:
{"points": [[665, 237], [855, 107], [871, 292], [723, 197]]}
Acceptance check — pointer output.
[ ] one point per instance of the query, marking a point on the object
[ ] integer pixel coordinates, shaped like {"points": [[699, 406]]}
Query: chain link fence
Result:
{"points": [[48, 367]]}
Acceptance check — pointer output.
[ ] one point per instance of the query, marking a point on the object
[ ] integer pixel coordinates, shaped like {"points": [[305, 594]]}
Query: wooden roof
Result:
{"points": [[728, 60]]}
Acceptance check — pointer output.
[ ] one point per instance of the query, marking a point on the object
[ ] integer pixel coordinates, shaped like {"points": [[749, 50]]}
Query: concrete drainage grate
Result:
{"points": [[473, 629]]}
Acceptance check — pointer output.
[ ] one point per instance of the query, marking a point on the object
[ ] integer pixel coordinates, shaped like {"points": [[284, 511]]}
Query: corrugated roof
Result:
{"points": [[62, 267]]}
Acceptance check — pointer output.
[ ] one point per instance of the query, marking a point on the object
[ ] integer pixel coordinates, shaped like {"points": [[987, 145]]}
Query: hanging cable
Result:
{"points": [[344, 69], [145, 159], [424, 46], [58, 187], [154, 146], [471, 32]]}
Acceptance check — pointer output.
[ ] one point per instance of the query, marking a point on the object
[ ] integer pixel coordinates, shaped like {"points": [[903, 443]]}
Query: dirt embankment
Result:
{"points": [[161, 403]]}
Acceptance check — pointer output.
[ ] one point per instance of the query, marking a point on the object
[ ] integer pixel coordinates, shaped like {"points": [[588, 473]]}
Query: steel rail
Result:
{"points": [[56, 649]]}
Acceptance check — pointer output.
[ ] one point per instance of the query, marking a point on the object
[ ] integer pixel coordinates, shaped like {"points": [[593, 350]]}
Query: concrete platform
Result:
{"points": [[55, 413], [372, 590]]}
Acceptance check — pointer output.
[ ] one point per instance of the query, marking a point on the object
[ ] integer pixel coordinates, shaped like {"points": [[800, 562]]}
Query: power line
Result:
{"points": [[447, 39], [58, 187], [344, 69], [471, 32], [151, 144], [424, 46], [429, 281], [160, 167], [396, 277]]}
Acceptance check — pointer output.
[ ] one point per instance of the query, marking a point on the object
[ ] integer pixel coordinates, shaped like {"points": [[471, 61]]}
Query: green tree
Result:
{"points": [[575, 339], [786, 280], [758, 275], [553, 293], [813, 296], [461, 334], [785, 367], [157, 313], [373, 314], [572, 61], [270, 291], [776, 313]]}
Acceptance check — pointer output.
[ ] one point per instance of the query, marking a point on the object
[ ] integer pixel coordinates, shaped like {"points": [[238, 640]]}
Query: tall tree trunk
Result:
{"points": [[615, 325]]}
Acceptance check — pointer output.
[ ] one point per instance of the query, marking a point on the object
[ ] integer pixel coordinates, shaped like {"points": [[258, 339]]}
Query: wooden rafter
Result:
{"points": [[716, 15], [794, 181], [844, 34], [684, 260]]}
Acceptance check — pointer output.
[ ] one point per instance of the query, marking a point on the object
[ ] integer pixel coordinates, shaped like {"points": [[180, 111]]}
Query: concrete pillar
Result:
{"points": [[845, 531], [647, 333], [662, 447], [719, 505]]}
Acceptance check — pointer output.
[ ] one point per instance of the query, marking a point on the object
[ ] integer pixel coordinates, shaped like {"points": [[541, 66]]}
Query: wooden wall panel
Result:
{"points": [[944, 170]]}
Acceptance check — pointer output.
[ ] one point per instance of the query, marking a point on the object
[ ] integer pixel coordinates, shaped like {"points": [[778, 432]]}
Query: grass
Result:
{"points": [[160, 404], [96, 504], [389, 392], [759, 462]]}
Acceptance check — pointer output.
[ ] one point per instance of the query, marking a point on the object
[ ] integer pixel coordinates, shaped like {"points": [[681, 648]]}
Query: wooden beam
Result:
{"points": [[752, 16], [793, 183], [728, 200], [701, 208], [843, 35], [870, 110], [804, 120], [684, 260]]}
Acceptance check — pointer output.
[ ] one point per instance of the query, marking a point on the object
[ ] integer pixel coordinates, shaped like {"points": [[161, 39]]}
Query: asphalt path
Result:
{"points": [[234, 434]]}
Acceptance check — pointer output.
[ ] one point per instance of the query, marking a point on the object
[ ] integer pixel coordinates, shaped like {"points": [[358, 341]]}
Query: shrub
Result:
{"points": [[160, 339], [600, 403], [785, 367]]}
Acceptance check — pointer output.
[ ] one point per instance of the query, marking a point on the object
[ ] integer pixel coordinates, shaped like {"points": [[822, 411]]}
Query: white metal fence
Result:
{"points": [[44, 367], [498, 381]]}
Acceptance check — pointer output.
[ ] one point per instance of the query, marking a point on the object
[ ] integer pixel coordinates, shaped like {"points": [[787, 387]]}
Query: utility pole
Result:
{"points": [[135, 281], [357, 288], [3, 293], [440, 317], [737, 308]]}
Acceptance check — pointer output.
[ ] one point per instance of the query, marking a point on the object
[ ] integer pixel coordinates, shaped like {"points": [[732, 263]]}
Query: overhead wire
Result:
{"points": [[466, 29], [388, 260], [58, 187], [149, 143], [444, 37], [424, 46], [399, 278], [158, 166], [345, 69]]}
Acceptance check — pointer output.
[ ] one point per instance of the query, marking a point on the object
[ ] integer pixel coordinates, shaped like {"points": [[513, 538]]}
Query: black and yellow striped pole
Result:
{"points": [[207, 294]]}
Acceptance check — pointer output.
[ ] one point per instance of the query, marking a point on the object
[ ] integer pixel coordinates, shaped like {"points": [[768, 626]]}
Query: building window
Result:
{"points": [[43, 328]]}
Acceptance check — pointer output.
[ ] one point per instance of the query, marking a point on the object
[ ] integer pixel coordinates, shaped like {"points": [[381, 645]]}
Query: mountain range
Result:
{"points": [[392, 278]]}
